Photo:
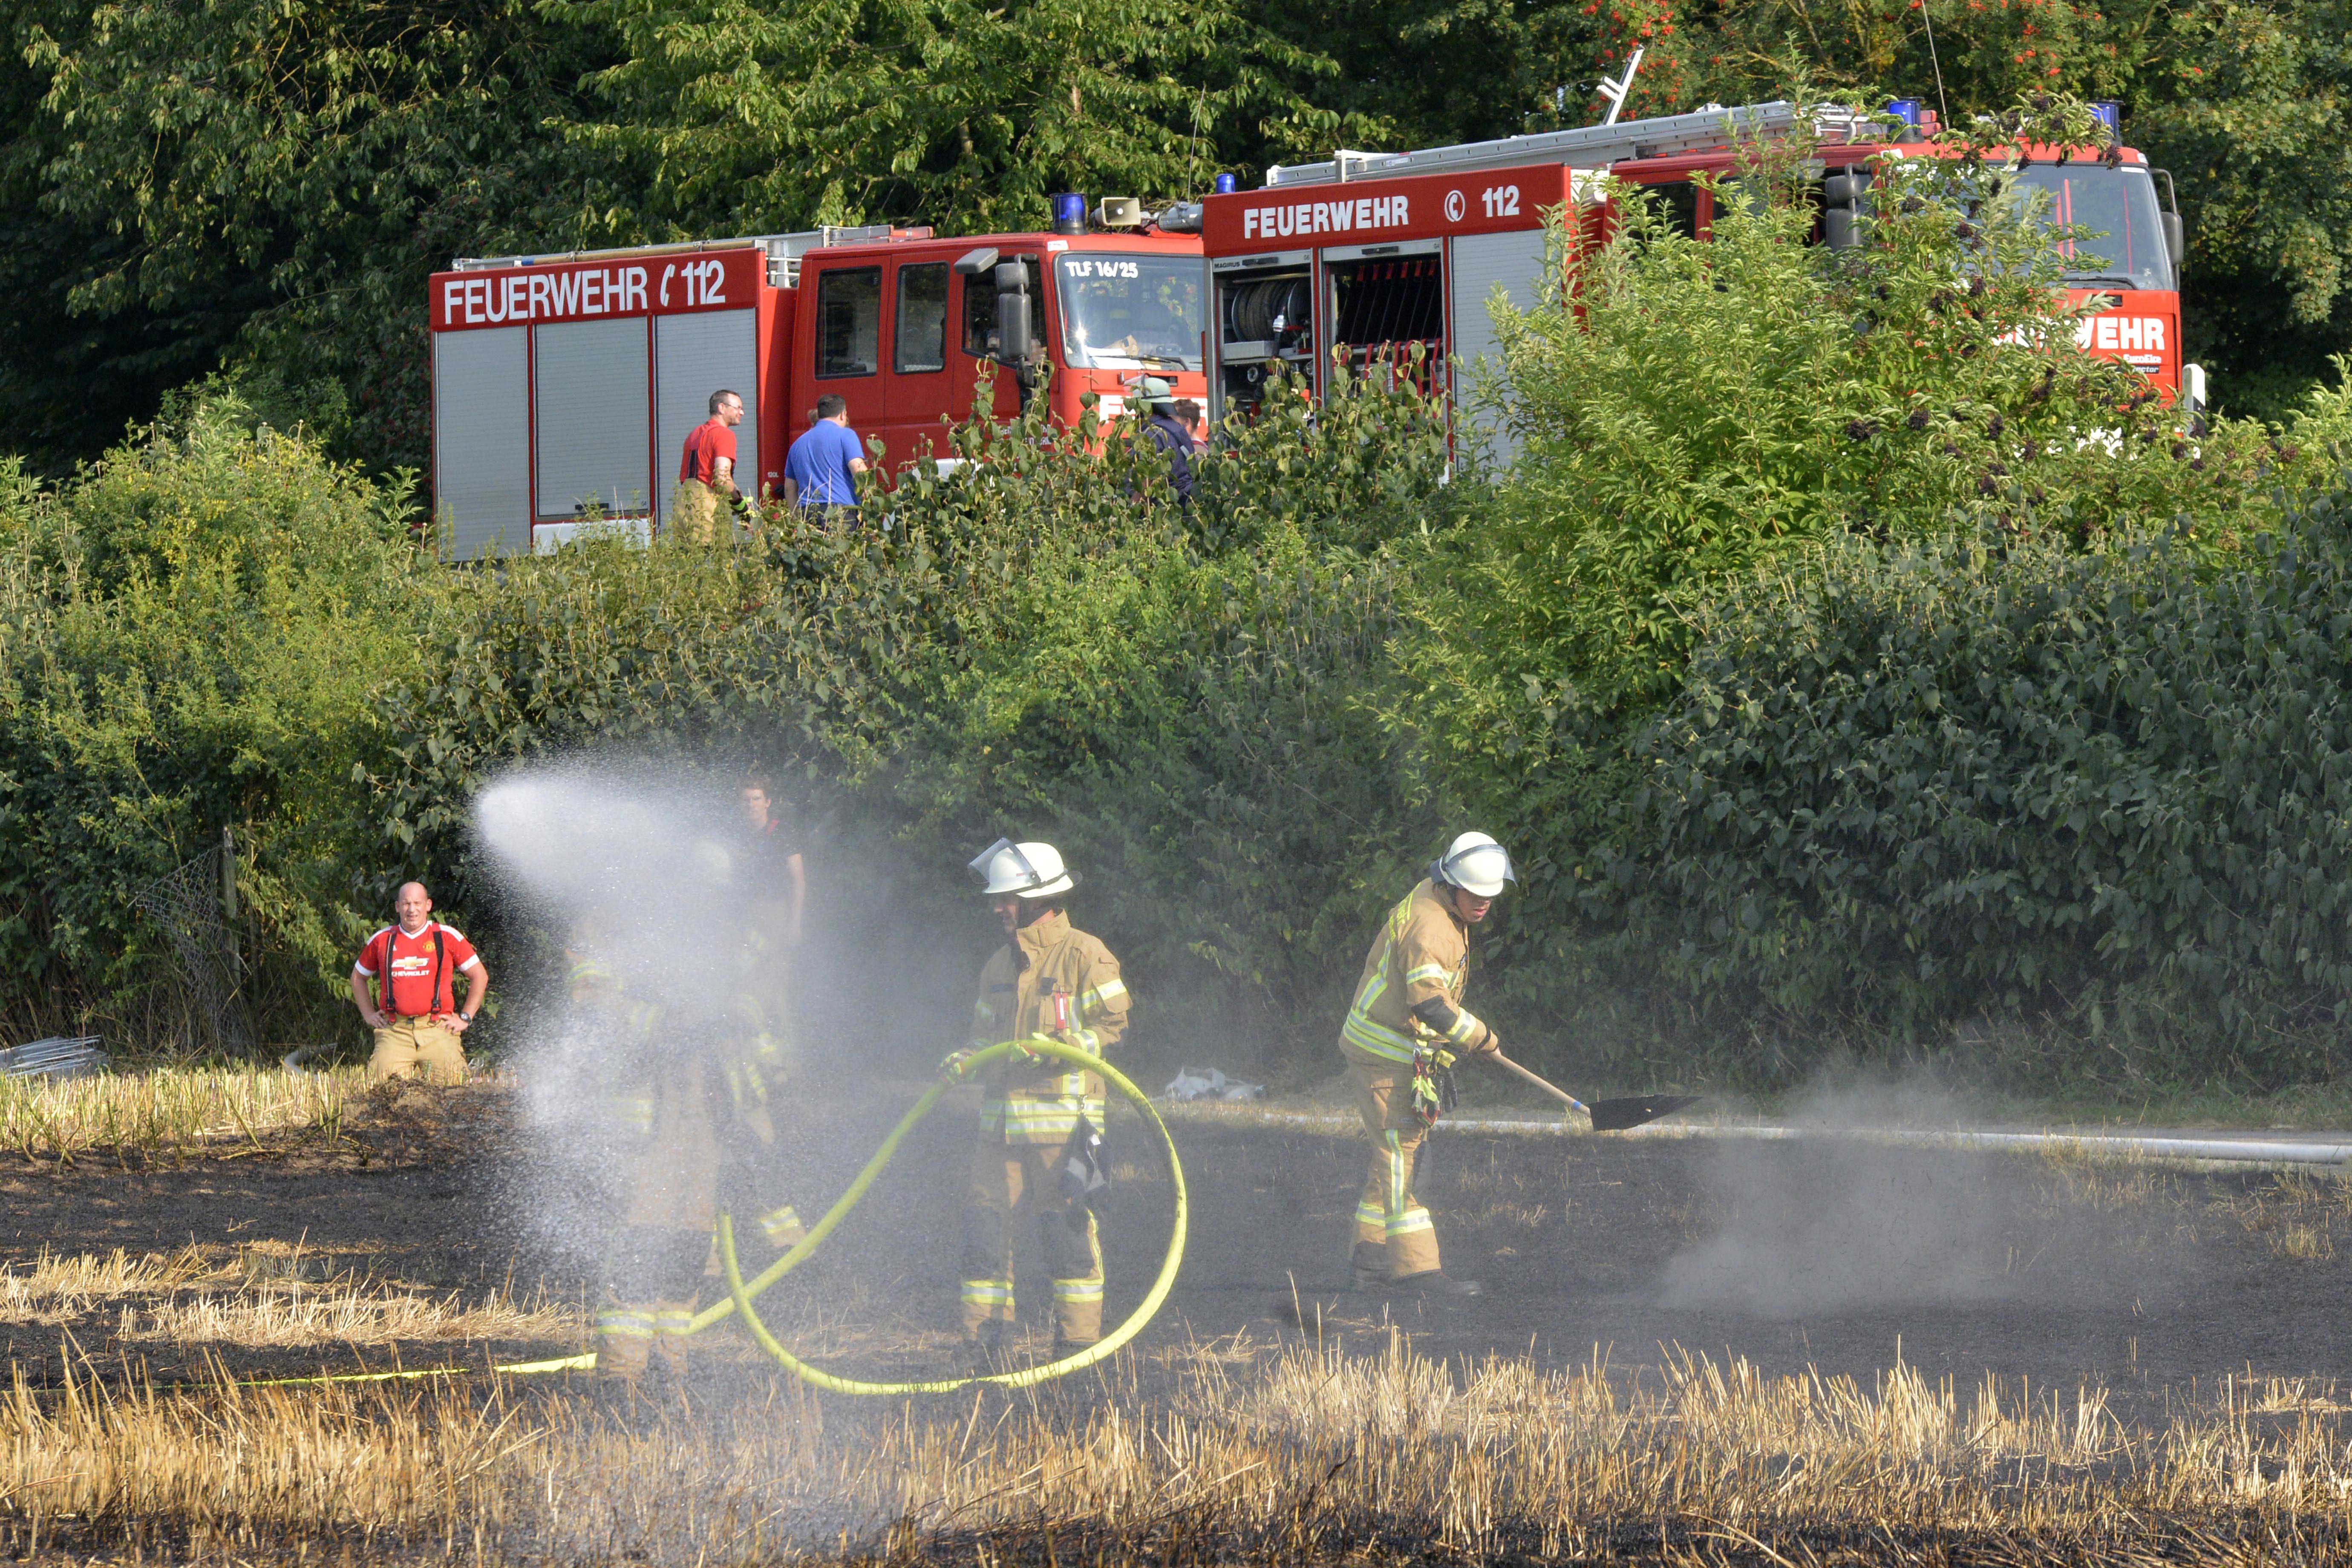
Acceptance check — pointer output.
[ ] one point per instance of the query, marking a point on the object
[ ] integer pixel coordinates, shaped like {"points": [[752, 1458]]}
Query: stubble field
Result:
{"points": [[1694, 1352]]}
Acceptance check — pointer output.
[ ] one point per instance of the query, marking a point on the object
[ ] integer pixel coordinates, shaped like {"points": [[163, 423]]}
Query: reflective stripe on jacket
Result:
{"points": [[1422, 952], [1041, 1102]]}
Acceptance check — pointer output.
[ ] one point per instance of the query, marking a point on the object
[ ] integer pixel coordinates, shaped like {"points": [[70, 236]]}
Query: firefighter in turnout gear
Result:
{"points": [[668, 1156], [1403, 1033], [692, 1088], [1041, 1126], [762, 1051]]}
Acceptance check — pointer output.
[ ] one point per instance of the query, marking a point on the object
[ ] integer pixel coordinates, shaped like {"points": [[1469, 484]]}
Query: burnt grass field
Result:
{"points": [[1691, 1351]]}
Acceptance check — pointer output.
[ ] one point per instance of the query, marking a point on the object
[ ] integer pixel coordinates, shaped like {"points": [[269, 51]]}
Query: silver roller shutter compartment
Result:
{"points": [[695, 356], [592, 404], [481, 442], [1515, 261]]}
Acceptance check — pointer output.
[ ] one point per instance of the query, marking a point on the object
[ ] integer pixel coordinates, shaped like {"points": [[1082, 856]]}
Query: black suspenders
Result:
{"points": [[433, 997]]}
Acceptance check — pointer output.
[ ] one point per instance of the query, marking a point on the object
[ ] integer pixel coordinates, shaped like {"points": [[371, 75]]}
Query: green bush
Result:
{"points": [[190, 637], [1804, 737], [2097, 806], [1043, 644]]}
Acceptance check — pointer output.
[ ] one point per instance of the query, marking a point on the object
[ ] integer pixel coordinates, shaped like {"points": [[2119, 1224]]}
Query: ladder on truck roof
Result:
{"points": [[1588, 147], [784, 251]]}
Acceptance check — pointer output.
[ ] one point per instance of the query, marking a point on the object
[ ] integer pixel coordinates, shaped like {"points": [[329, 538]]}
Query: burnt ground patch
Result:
{"points": [[1792, 1256]]}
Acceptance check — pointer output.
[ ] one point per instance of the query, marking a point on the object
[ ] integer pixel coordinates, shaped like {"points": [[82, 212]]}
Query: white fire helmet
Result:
{"points": [[1475, 863], [1031, 870]]}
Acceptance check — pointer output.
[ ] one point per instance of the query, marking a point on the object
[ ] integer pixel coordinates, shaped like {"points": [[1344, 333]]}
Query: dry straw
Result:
{"points": [[148, 1112], [1224, 1453]]}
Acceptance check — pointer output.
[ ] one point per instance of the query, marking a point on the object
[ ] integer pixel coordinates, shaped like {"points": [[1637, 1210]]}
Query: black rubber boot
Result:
{"points": [[1371, 1262], [1441, 1285], [986, 1351]]}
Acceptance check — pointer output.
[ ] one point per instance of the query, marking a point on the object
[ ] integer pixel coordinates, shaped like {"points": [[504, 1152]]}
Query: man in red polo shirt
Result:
{"points": [[705, 471], [415, 965]]}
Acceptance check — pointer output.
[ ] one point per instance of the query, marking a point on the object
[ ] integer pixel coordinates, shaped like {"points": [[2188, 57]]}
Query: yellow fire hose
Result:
{"points": [[740, 1292]]}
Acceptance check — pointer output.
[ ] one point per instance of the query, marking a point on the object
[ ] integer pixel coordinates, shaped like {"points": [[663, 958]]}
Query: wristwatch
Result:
{"points": [[465, 1017]]}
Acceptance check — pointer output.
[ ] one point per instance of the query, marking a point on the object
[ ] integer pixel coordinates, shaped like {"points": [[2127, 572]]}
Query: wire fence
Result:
{"points": [[192, 906]]}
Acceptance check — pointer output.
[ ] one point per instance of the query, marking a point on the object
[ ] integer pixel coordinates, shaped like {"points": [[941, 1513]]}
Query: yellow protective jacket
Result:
{"points": [[626, 1028], [1410, 993], [1037, 1102]]}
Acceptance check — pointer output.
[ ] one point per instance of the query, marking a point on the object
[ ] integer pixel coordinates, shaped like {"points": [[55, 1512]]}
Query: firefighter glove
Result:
{"points": [[1083, 1169], [759, 1124], [1433, 1084], [951, 1065]]}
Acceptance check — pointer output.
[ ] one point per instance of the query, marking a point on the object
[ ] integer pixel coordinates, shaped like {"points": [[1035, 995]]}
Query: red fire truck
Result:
{"points": [[1375, 254], [565, 385]]}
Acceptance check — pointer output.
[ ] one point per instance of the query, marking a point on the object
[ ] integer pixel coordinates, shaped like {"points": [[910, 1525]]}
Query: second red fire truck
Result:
{"points": [[1369, 256]]}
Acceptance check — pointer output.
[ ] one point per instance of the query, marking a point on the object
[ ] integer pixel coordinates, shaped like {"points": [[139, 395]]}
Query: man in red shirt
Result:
{"points": [[415, 966], [706, 470]]}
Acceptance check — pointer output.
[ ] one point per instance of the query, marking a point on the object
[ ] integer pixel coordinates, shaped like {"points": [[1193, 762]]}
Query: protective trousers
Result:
{"points": [[696, 513], [1005, 1176], [668, 1211], [1387, 1214], [412, 1048]]}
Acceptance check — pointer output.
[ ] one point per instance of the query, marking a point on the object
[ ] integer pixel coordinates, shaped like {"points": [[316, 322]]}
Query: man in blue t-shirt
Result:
{"points": [[822, 468]]}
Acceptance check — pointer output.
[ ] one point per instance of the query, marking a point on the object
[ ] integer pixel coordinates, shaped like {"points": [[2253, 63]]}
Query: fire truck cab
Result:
{"points": [[1375, 255], [564, 386]]}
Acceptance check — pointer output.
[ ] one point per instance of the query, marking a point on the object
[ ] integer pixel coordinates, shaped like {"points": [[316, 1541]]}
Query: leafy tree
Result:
{"points": [[269, 183], [754, 116], [2244, 104], [1693, 407]]}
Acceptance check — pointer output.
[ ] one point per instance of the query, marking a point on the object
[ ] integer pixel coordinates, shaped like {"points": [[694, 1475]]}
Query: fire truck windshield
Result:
{"points": [[2116, 211], [1127, 310]]}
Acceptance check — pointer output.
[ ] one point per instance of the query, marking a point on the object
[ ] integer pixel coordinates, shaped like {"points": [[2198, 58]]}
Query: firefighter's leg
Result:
{"points": [[440, 1057], [395, 1050], [1073, 1252], [671, 1206], [693, 512], [1406, 1237], [650, 1279], [755, 1171], [994, 1193]]}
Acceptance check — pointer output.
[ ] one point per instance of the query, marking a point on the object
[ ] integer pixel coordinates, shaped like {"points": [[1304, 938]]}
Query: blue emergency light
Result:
{"points": [[1227, 185], [2109, 113], [1906, 109], [1070, 212]]}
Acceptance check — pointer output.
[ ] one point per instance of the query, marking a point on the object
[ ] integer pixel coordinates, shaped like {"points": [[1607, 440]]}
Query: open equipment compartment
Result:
{"points": [[1265, 321], [1384, 301]]}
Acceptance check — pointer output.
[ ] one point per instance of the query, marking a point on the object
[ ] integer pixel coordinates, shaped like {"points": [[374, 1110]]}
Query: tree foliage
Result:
{"points": [[1692, 408], [272, 182], [264, 186], [748, 117]]}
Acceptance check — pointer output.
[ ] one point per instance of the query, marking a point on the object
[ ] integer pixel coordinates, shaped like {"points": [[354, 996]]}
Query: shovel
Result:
{"points": [[1608, 1115]]}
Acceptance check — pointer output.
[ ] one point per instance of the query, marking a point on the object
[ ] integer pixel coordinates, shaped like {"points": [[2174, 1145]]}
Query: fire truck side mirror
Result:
{"points": [[1013, 307], [2175, 238]]}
